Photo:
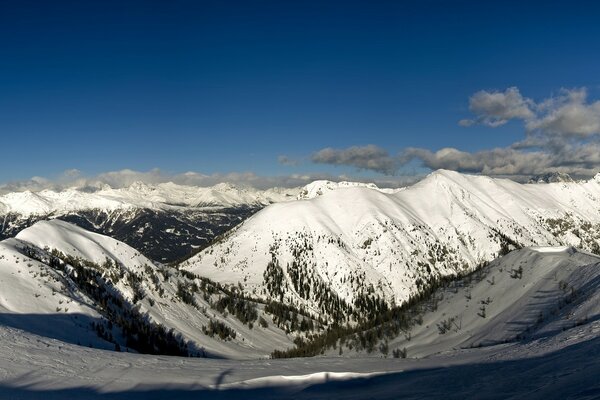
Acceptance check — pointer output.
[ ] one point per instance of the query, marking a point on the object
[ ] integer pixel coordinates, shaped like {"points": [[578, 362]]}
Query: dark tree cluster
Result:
{"points": [[242, 309], [219, 329], [140, 333]]}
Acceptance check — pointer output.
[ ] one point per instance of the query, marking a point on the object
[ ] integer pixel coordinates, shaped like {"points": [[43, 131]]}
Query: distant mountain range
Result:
{"points": [[165, 221]]}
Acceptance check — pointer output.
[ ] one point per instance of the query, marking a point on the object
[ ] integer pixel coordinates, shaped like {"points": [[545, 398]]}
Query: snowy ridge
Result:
{"points": [[360, 242], [320, 187], [162, 196]]}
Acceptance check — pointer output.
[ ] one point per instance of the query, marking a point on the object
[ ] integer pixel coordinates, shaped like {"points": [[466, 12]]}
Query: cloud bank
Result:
{"points": [[126, 177], [561, 134], [369, 157]]}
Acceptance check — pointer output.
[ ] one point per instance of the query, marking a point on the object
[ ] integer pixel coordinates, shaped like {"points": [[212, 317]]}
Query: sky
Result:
{"points": [[272, 92]]}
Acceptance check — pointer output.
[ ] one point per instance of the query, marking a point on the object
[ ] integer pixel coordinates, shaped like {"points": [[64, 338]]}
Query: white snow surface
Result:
{"points": [[562, 366], [526, 294]]}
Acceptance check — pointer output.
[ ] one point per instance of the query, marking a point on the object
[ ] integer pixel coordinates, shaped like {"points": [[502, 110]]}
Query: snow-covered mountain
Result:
{"points": [[164, 221], [320, 187], [61, 281], [551, 177], [359, 250], [348, 253]]}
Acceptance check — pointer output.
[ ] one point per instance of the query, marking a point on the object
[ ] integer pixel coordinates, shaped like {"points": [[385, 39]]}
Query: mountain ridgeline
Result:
{"points": [[353, 253]]}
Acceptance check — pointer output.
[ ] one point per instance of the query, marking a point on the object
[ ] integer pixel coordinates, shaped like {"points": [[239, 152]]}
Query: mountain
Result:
{"points": [[164, 221], [354, 252], [64, 282], [320, 187], [551, 177], [273, 285]]}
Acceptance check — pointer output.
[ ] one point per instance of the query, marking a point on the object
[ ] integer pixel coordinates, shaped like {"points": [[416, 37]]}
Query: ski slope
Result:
{"points": [[561, 366]]}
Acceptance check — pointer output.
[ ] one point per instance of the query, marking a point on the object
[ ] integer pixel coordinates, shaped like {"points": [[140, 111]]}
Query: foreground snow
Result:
{"points": [[563, 366]]}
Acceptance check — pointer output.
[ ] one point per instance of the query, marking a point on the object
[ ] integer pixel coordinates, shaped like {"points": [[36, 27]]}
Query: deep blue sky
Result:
{"points": [[229, 86]]}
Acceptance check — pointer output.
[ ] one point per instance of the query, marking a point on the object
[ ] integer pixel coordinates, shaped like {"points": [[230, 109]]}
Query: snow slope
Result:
{"points": [[359, 242], [32, 286], [531, 293], [43, 301], [562, 366]]}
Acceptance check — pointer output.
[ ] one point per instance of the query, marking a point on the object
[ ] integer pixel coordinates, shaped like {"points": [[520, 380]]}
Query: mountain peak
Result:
{"points": [[551, 177], [320, 187], [140, 186]]}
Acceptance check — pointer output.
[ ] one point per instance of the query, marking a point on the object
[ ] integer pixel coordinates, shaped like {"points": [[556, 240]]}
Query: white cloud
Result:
{"points": [[497, 108], [126, 177], [579, 160], [369, 157], [561, 134], [567, 115]]}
